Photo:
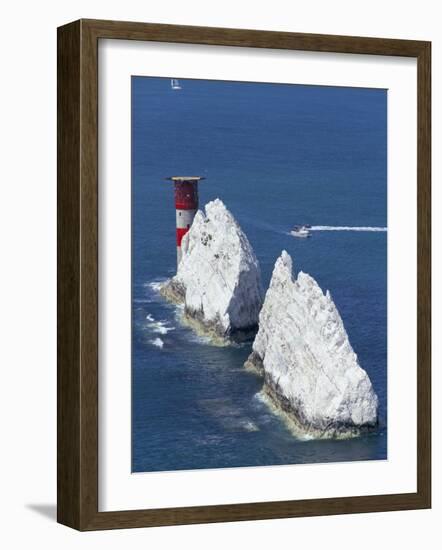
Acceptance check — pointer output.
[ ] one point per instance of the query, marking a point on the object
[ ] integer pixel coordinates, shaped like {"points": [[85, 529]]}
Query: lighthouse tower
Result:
{"points": [[186, 205]]}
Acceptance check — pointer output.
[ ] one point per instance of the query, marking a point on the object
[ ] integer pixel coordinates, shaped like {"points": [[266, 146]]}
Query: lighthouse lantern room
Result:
{"points": [[186, 206]]}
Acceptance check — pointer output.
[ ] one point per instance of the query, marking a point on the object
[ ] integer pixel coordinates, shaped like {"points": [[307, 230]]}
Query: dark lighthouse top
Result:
{"points": [[186, 191]]}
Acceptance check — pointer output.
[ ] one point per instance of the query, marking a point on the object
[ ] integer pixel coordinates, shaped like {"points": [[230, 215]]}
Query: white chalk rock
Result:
{"points": [[218, 278], [310, 369]]}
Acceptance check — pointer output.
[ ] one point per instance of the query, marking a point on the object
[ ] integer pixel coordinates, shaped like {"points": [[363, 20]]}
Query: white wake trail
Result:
{"points": [[345, 228]]}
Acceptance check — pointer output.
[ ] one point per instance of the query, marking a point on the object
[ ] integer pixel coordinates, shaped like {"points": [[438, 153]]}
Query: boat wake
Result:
{"points": [[275, 229], [345, 228]]}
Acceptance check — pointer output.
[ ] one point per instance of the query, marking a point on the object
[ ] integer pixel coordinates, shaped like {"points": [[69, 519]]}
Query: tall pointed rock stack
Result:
{"points": [[218, 279], [310, 369]]}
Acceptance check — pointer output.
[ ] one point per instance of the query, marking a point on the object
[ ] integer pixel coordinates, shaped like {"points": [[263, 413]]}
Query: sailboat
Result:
{"points": [[174, 84]]}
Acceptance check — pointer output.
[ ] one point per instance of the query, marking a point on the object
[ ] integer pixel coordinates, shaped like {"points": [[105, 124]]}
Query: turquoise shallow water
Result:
{"points": [[277, 155]]}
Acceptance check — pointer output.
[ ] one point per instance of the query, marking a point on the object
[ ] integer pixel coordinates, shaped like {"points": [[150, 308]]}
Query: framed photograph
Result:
{"points": [[243, 274]]}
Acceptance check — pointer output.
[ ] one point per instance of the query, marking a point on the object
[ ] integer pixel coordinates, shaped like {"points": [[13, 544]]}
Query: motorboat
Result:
{"points": [[175, 84], [301, 231]]}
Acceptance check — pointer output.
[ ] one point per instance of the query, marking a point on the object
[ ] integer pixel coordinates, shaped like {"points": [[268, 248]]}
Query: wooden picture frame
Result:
{"points": [[78, 274]]}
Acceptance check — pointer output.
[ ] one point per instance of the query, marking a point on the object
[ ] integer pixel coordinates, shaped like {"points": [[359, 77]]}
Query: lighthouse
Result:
{"points": [[186, 205]]}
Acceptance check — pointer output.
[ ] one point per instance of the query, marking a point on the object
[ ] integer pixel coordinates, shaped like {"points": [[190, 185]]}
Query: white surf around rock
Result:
{"points": [[218, 279], [157, 342], [310, 370]]}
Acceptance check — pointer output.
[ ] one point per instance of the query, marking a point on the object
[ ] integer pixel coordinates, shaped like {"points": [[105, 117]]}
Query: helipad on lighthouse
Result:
{"points": [[186, 206]]}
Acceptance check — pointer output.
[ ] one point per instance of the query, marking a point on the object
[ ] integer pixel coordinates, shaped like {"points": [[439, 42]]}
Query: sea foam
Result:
{"points": [[157, 342]]}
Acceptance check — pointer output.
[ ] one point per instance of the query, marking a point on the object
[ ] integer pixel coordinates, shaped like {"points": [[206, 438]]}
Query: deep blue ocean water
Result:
{"points": [[277, 155]]}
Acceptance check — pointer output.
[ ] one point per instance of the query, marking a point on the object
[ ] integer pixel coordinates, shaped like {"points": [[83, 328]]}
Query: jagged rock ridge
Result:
{"points": [[218, 279], [310, 369]]}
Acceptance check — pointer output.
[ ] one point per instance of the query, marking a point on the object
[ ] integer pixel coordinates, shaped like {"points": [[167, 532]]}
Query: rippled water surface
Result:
{"points": [[277, 155]]}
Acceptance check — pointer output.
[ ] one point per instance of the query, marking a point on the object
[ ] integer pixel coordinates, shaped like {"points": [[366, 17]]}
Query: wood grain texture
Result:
{"points": [[424, 274], [68, 275], [253, 38], [77, 167]]}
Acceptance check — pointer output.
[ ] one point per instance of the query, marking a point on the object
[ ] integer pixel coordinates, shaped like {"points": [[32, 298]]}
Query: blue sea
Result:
{"points": [[277, 155]]}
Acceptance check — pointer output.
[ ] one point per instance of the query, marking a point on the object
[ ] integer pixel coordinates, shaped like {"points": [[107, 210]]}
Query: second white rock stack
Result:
{"points": [[310, 369]]}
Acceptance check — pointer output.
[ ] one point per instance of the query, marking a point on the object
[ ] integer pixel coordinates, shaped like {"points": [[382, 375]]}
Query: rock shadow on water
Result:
{"points": [[230, 416]]}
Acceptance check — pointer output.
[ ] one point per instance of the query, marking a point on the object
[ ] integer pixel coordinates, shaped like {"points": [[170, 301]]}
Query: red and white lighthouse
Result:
{"points": [[186, 205]]}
